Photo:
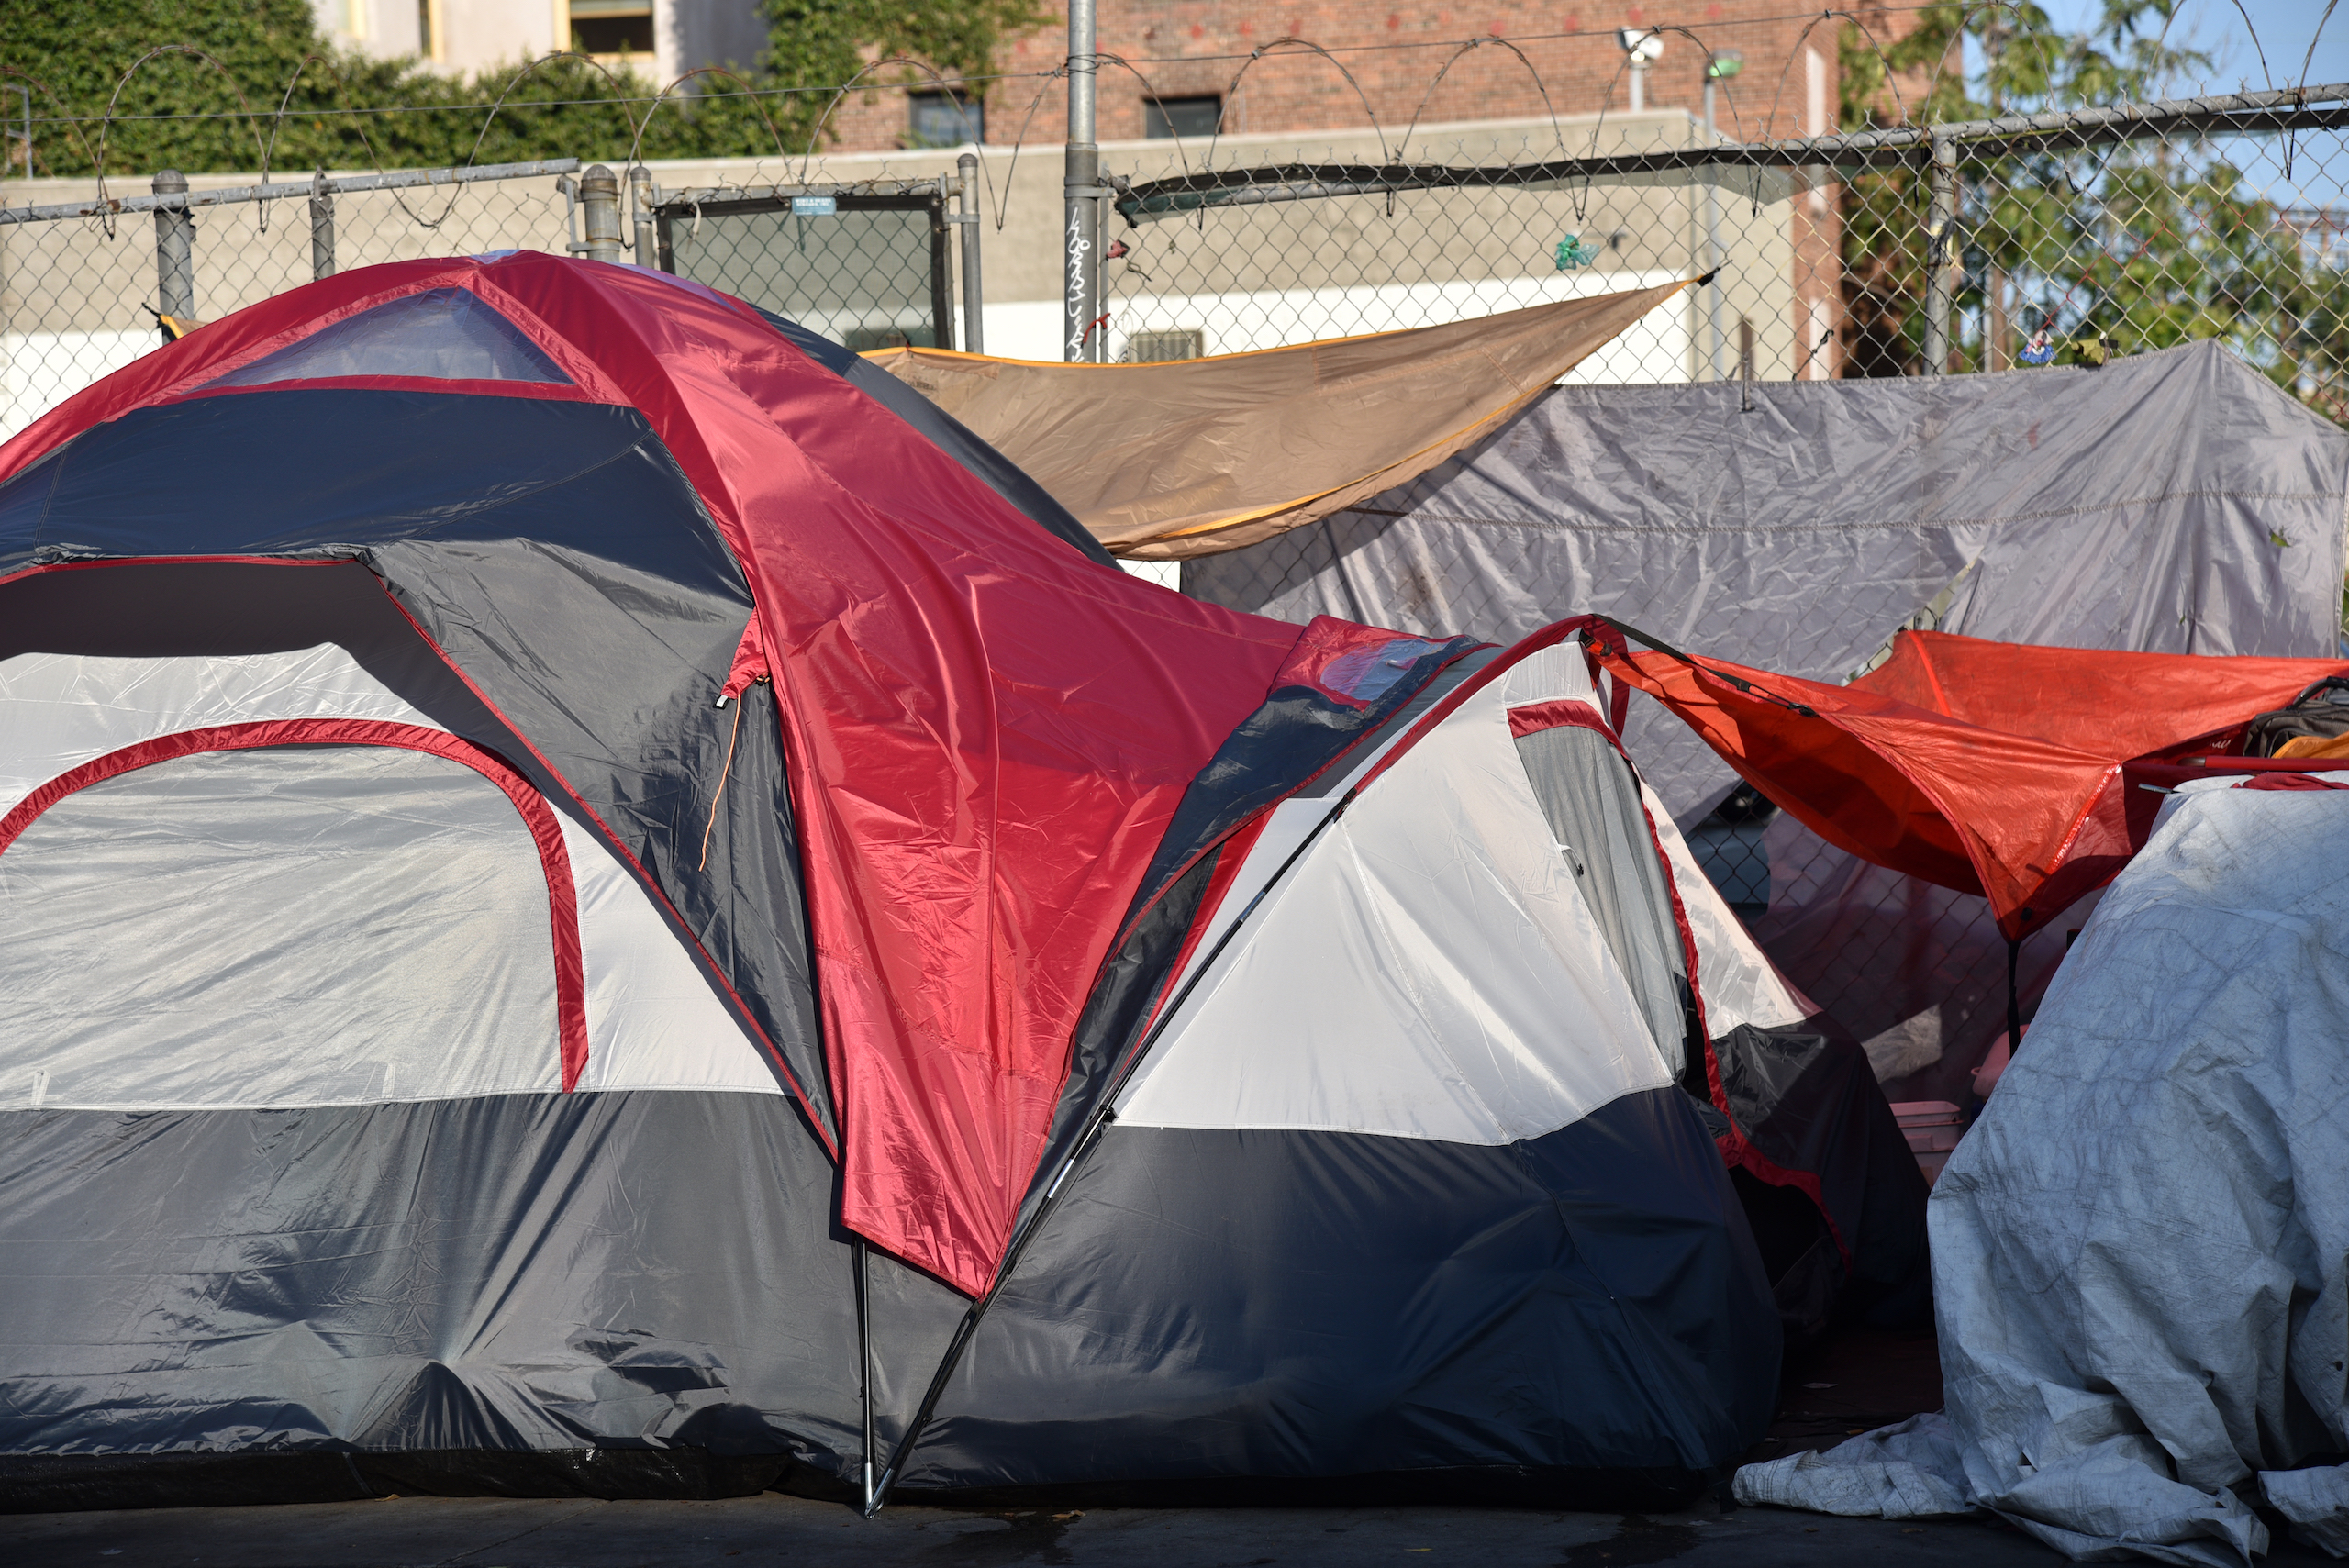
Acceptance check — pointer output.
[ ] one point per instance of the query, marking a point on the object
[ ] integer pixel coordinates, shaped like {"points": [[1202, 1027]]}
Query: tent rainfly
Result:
{"points": [[1193, 457], [1985, 767], [588, 906]]}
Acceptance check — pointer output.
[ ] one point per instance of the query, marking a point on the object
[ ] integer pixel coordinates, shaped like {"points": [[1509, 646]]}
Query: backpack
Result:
{"points": [[2321, 710]]}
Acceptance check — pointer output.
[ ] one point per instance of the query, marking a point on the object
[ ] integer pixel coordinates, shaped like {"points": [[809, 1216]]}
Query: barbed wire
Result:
{"points": [[626, 101]]}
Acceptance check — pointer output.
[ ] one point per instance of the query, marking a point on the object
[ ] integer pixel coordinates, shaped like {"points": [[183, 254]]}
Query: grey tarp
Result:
{"points": [[2141, 1252], [2172, 502]]}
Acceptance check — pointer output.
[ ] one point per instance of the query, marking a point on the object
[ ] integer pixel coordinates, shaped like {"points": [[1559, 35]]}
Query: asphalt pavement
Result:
{"points": [[744, 1533]]}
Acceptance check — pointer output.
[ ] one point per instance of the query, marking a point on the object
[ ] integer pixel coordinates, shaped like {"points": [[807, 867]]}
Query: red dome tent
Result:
{"points": [[542, 809]]}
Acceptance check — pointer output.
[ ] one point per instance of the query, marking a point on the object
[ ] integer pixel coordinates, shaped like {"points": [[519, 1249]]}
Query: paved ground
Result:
{"points": [[1859, 1380], [772, 1528]]}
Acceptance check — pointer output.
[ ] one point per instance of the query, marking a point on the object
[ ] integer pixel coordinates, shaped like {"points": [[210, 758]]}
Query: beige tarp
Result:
{"points": [[1200, 456]]}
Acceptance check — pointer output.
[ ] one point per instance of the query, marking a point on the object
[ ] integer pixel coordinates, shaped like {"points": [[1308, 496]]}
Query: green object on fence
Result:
{"points": [[1572, 253]]}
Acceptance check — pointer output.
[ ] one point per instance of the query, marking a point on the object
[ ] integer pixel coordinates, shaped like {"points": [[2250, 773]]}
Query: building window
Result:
{"points": [[1185, 118], [611, 27], [945, 119], [1158, 348], [424, 29]]}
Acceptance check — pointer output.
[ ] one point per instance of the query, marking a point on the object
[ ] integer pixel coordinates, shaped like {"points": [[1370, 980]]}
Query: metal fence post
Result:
{"points": [[1081, 213], [641, 198], [599, 197], [967, 205], [1939, 223], [321, 228], [174, 248], [1713, 257]]}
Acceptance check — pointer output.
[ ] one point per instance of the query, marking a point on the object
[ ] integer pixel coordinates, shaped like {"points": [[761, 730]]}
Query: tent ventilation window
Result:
{"points": [[444, 334], [1591, 801]]}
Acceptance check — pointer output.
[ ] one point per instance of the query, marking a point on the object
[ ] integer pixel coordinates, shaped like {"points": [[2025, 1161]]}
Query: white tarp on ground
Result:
{"points": [[2141, 1252]]}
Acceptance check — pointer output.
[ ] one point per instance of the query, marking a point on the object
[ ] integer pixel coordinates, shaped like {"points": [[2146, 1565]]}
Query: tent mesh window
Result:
{"points": [[445, 334]]}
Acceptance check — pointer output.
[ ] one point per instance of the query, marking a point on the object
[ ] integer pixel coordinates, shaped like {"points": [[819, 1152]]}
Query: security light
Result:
{"points": [[1724, 64], [1640, 43]]}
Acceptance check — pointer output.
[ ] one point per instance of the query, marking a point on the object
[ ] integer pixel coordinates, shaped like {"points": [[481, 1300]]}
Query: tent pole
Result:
{"points": [[864, 1365], [1101, 1119], [2014, 999]]}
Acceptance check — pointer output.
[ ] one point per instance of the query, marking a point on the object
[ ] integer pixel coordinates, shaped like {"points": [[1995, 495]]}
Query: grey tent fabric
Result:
{"points": [[374, 926], [2171, 502], [2141, 1250], [1592, 802]]}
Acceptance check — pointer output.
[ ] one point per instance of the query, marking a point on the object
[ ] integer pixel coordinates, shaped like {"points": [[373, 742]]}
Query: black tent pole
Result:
{"points": [[2014, 1000], [878, 1495], [864, 1363]]}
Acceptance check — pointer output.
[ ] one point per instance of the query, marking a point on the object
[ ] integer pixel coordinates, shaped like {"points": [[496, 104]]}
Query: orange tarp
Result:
{"points": [[1986, 767], [1194, 457]]}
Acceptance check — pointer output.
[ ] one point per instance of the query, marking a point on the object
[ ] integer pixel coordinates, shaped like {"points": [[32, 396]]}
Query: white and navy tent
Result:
{"points": [[587, 905]]}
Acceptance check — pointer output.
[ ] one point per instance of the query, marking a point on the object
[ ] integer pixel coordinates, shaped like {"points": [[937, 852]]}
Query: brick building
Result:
{"points": [[1189, 53]]}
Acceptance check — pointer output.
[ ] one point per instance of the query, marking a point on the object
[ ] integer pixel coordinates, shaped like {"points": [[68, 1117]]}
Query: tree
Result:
{"points": [[239, 81], [2061, 247]]}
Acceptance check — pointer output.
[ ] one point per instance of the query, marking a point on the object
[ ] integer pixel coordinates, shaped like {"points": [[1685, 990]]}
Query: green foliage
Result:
{"points": [[213, 101], [2055, 244]]}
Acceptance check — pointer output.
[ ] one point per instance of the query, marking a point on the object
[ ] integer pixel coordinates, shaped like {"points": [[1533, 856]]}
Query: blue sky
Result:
{"points": [[2218, 28], [2319, 160]]}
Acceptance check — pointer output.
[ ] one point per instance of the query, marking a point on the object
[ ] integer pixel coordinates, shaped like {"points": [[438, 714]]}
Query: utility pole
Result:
{"points": [[1080, 185]]}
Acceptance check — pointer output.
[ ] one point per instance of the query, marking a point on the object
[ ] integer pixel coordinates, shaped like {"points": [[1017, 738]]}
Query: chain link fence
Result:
{"points": [[87, 286], [2057, 238], [1242, 258], [84, 284]]}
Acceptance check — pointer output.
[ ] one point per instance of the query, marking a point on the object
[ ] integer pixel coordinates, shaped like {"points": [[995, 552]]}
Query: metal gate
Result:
{"points": [[867, 267]]}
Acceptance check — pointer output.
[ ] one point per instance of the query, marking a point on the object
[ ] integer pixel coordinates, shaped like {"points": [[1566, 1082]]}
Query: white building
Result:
{"points": [[662, 38]]}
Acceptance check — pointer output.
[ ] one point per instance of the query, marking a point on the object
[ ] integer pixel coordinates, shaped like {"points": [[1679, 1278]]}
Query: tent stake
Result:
{"points": [[877, 1495]]}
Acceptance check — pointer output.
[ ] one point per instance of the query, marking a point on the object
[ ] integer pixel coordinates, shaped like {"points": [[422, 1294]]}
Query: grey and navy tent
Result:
{"points": [[592, 902]]}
